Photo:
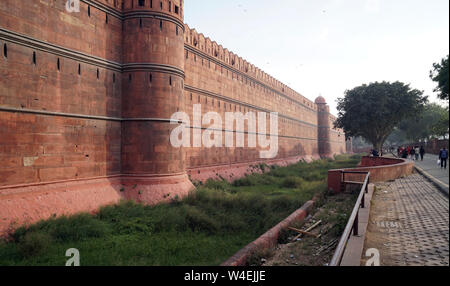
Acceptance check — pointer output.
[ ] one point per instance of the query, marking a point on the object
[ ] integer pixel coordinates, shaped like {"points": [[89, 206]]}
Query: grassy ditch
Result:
{"points": [[205, 228], [332, 217]]}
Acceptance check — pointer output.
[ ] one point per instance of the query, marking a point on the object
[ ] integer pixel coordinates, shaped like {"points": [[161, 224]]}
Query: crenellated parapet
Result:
{"points": [[240, 67], [86, 99]]}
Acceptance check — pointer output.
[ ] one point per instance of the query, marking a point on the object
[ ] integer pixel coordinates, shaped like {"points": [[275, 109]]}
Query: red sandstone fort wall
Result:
{"points": [[89, 95], [56, 62], [223, 82]]}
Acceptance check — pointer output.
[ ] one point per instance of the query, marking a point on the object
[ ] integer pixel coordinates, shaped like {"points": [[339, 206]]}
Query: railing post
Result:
{"points": [[355, 225], [367, 186], [363, 201]]}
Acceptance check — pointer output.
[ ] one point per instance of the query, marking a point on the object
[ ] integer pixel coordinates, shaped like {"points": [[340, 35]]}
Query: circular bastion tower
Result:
{"points": [[153, 84], [323, 121]]}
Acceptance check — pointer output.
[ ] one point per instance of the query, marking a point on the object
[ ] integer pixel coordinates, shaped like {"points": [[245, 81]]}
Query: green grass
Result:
{"points": [[206, 228]]}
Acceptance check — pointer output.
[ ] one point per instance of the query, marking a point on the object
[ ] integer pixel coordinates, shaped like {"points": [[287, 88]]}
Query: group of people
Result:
{"points": [[411, 152], [415, 152]]}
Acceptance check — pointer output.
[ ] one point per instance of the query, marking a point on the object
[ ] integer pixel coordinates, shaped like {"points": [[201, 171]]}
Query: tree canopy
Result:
{"points": [[426, 125], [440, 75], [373, 111]]}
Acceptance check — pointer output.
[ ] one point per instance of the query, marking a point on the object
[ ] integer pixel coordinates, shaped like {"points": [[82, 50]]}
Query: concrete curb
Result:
{"points": [[270, 238], [443, 188], [355, 244]]}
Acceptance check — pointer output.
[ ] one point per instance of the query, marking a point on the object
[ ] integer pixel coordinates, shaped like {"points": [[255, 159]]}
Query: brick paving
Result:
{"points": [[409, 223]]}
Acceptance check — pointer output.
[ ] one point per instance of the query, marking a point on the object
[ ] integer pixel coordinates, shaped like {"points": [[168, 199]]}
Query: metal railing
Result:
{"points": [[352, 225]]}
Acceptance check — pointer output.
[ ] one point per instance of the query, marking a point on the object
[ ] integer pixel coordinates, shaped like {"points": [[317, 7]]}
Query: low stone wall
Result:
{"points": [[270, 238], [381, 169]]}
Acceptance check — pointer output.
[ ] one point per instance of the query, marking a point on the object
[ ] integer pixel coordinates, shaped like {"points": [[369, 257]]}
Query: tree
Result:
{"points": [[373, 111], [426, 125], [440, 128], [397, 138], [440, 75]]}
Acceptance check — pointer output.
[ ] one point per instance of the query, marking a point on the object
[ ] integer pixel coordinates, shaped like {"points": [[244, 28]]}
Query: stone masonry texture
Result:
{"points": [[89, 95]]}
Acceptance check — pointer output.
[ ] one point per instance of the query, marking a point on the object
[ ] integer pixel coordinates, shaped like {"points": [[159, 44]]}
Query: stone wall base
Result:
{"points": [[233, 172], [23, 205]]}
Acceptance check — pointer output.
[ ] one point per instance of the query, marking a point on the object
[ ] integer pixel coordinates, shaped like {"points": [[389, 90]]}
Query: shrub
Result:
{"points": [[34, 243], [246, 182], [217, 185], [135, 225], [293, 183], [124, 209], [199, 221]]}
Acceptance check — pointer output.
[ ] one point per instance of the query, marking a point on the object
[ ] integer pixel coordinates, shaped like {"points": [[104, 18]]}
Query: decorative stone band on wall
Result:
{"points": [[381, 170], [83, 116], [224, 98], [102, 7], [133, 14], [152, 14], [132, 67], [236, 71], [60, 51]]}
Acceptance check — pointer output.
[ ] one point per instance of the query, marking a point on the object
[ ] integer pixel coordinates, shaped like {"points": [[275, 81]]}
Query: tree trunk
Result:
{"points": [[378, 146]]}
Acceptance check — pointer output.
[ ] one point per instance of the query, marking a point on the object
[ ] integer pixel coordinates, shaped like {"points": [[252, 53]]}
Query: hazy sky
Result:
{"points": [[324, 47]]}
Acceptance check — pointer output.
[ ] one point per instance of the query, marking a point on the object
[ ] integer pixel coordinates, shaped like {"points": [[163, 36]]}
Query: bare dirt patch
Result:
{"points": [[308, 250]]}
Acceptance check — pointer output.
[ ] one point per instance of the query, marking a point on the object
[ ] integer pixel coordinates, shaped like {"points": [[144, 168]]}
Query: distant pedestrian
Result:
{"points": [[409, 150], [422, 152], [405, 154], [443, 156], [412, 152], [416, 152], [375, 153]]}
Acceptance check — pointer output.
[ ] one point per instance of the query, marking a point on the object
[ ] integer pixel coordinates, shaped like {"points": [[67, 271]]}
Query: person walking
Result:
{"points": [[443, 156], [412, 153], [405, 154], [422, 152], [416, 152]]}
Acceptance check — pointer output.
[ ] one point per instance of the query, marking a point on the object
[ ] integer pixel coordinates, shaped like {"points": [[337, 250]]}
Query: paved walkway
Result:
{"points": [[429, 165], [409, 224]]}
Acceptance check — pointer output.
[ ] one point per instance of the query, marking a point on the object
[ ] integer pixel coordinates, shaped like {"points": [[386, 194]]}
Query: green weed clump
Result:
{"points": [[34, 243]]}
